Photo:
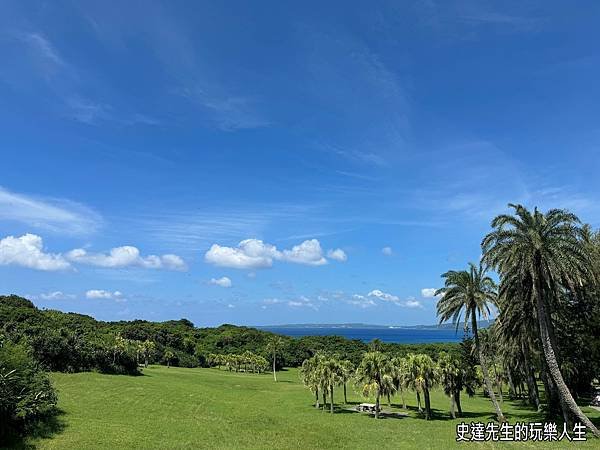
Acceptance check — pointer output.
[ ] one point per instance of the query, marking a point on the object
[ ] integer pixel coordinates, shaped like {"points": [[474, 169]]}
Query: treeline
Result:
{"points": [[70, 342]]}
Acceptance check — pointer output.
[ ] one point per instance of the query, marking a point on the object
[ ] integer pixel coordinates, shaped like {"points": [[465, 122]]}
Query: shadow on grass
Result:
{"points": [[45, 428]]}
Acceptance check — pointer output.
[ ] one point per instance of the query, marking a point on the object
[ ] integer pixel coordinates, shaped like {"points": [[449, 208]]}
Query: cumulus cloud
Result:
{"points": [[337, 254], [101, 293], [309, 252], [125, 256], [223, 282], [28, 251], [361, 301], [383, 296], [256, 254], [387, 251], [412, 303], [428, 292]]}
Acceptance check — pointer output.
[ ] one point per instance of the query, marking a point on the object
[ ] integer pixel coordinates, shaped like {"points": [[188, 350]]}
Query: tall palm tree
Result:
{"points": [[400, 375], [309, 375], [169, 355], [469, 292], [413, 379], [330, 373], [450, 373], [373, 372], [547, 252], [347, 373], [275, 346]]}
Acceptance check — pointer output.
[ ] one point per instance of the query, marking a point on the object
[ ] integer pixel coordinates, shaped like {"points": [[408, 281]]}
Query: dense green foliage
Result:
{"points": [[26, 394], [69, 342]]}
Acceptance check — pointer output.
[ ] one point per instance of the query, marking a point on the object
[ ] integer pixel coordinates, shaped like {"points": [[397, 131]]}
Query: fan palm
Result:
{"points": [[547, 252], [469, 292], [372, 374]]}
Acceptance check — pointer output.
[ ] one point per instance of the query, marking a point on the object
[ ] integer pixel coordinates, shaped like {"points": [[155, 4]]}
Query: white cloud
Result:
{"points": [[272, 301], [308, 252], [57, 215], [361, 301], [256, 254], [383, 296], [412, 303], [337, 254], [223, 282], [302, 302], [125, 256], [387, 251], [230, 305], [250, 254], [428, 292], [28, 251], [101, 293], [56, 295]]}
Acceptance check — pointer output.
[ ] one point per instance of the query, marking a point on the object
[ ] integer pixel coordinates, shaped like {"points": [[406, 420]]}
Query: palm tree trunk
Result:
{"points": [[452, 406], [419, 402], [389, 400], [331, 398], [324, 398], [486, 376], [345, 398], [498, 382], [274, 374], [563, 391], [317, 399], [427, 403], [457, 401], [403, 399], [377, 405], [512, 391], [534, 394]]}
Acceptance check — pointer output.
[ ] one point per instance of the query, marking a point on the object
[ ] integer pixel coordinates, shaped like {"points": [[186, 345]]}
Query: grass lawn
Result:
{"points": [[210, 408]]}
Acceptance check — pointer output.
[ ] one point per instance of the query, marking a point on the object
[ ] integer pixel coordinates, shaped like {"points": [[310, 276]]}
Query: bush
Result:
{"points": [[26, 393]]}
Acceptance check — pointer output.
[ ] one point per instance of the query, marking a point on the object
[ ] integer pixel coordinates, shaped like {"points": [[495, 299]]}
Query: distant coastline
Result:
{"points": [[366, 326]]}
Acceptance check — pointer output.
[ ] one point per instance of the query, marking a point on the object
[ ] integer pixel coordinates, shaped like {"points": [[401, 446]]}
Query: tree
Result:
{"points": [[346, 374], [470, 292], [148, 348], [309, 375], [169, 355], [450, 378], [374, 371], [330, 374], [274, 346], [547, 253], [400, 376], [422, 376]]}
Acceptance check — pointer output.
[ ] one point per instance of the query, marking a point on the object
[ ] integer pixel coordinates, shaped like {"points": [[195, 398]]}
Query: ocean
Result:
{"points": [[393, 335]]}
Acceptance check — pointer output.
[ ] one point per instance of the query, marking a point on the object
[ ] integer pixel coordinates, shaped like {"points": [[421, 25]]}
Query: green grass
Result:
{"points": [[209, 408]]}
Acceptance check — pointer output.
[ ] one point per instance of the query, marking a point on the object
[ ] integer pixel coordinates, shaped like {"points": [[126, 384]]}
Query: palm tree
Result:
{"points": [[309, 375], [427, 378], [346, 373], [169, 355], [413, 379], [400, 376], [450, 374], [274, 346], [330, 374], [373, 372], [148, 347], [470, 292], [547, 252]]}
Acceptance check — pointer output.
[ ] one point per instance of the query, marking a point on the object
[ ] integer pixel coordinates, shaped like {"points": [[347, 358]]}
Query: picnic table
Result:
{"points": [[367, 407]]}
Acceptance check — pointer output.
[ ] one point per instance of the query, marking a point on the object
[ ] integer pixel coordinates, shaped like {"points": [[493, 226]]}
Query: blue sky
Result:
{"points": [[264, 163]]}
